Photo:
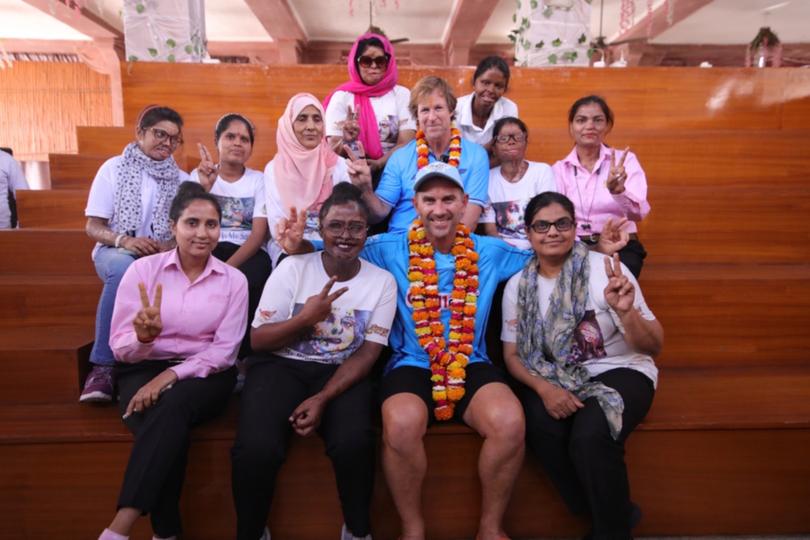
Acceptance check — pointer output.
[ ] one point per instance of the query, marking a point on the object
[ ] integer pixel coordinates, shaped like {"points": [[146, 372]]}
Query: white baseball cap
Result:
{"points": [[437, 169]]}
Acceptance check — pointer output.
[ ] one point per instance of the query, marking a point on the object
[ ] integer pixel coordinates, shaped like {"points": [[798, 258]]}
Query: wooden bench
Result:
{"points": [[720, 453]]}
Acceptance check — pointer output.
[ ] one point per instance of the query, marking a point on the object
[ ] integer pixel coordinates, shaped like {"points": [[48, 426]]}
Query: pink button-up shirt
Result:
{"points": [[592, 200], [203, 321]]}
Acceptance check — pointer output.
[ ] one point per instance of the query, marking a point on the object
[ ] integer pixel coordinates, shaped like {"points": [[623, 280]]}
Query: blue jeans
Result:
{"points": [[111, 263]]}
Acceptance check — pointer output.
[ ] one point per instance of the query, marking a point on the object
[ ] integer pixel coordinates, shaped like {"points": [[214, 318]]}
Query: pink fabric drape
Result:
{"points": [[369, 132]]}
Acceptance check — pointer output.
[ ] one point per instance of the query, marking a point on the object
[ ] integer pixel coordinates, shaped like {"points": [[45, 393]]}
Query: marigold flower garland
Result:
{"points": [[448, 360], [422, 148]]}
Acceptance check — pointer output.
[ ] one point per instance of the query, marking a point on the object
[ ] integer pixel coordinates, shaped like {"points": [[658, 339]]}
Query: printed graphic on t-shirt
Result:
{"points": [[313, 223], [334, 339], [509, 218], [588, 341], [389, 133], [237, 212]]}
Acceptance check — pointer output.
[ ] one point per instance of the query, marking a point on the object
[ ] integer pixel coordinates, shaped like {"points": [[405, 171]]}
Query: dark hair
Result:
{"points": [[187, 193], [7, 150], [153, 114], [426, 86], [547, 198], [364, 44], [587, 100], [226, 121], [345, 193], [492, 62], [507, 120]]}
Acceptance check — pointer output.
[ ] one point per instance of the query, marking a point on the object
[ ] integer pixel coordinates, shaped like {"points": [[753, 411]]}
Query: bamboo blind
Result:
{"points": [[41, 103]]}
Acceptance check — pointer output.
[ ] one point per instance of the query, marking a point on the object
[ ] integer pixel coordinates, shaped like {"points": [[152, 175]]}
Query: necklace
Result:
{"points": [[448, 359], [587, 225], [422, 149]]}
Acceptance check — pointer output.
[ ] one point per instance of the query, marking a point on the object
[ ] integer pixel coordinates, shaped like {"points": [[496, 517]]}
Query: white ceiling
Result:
{"points": [[425, 21]]}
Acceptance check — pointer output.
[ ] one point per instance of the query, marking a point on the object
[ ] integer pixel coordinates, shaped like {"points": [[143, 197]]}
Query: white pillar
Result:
{"points": [[552, 32], [164, 30]]}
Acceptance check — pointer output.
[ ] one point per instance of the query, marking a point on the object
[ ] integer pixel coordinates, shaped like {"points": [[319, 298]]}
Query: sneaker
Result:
{"points": [[346, 534], [98, 387]]}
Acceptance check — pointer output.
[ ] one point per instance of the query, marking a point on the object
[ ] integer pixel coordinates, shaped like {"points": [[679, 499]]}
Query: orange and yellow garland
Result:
{"points": [[422, 149], [448, 360]]}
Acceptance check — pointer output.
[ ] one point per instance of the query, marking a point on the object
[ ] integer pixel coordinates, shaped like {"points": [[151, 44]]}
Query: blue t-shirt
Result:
{"points": [[396, 184], [498, 261]]}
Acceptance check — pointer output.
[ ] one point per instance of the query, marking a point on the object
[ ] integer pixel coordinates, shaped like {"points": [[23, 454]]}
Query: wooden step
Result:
{"points": [[46, 251], [722, 452], [48, 299], [43, 364], [52, 208], [731, 315], [77, 171]]}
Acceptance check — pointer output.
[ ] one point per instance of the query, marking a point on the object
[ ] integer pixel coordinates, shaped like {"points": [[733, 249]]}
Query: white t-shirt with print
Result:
{"points": [[364, 312], [599, 338], [464, 118], [238, 202], [508, 200], [273, 209], [101, 201], [391, 110]]}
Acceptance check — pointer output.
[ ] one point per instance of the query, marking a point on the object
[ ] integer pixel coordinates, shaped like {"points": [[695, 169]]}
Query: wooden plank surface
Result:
{"points": [[52, 208], [46, 251]]}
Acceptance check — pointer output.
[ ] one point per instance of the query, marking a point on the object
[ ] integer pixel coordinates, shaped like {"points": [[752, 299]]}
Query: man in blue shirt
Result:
{"points": [[488, 405], [432, 104]]}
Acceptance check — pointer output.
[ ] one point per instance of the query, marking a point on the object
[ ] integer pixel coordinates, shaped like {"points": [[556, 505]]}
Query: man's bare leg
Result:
{"points": [[404, 461], [496, 414]]}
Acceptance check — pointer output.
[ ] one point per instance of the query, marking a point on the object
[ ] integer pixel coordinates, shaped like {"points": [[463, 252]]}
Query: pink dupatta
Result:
{"points": [[303, 177], [369, 130]]}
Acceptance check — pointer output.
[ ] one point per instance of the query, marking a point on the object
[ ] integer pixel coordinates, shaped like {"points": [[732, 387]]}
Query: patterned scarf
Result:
{"points": [[127, 210], [545, 345]]}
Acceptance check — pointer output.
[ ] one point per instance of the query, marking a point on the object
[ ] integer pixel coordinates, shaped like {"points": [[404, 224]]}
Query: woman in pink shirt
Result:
{"points": [[178, 321], [602, 182]]}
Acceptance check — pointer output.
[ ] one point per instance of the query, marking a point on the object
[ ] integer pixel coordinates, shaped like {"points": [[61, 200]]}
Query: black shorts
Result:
{"points": [[416, 380]]}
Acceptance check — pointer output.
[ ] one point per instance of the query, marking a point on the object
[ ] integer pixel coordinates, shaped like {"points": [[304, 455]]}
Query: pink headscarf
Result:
{"points": [[369, 130], [303, 177]]}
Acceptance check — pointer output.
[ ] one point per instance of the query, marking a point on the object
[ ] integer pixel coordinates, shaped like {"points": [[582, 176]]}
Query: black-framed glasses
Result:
{"points": [[354, 228], [517, 137], [162, 135], [380, 62], [542, 226]]}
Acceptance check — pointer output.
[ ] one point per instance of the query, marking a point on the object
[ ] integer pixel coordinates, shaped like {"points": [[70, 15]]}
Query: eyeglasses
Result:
{"points": [[563, 224], [355, 228], [162, 135], [517, 137], [380, 62]]}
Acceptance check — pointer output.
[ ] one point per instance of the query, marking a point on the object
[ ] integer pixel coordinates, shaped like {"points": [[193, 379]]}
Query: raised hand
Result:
{"points": [[358, 167], [619, 292], [319, 306], [617, 175], [290, 231], [612, 238], [207, 170], [351, 126], [147, 321], [307, 416]]}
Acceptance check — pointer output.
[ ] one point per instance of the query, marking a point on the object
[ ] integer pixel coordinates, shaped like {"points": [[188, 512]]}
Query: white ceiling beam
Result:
{"points": [[467, 21], [278, 18], [681, 10], [82, 20]]}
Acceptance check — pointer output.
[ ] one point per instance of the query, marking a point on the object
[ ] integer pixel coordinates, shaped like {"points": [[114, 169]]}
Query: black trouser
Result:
{"points": [[274, 387], [632, 256], [257, 270], [157, 464], [583, 461]]}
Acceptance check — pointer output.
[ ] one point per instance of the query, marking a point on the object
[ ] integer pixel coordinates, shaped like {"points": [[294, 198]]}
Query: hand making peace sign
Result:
{"points": [[207, 170], [620, 293], [617, 175], [147, 321], [319, 306], [290, 231]]}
